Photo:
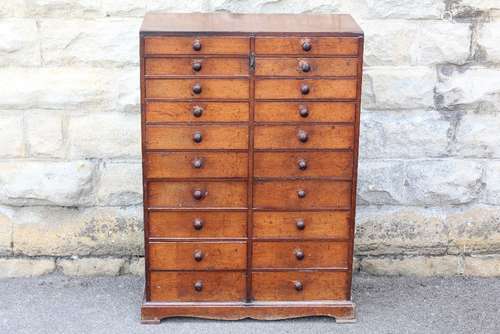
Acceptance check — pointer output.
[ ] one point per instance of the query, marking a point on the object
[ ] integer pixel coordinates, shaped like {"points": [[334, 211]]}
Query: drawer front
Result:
{"points": [[300, 286], [304, 136], [305, 112], [197, 112], [333, 224], [197, 194], [193, 164], [307, 45], [197, 88], [197, 256], [303, 164], [197, 137], [196, 45], [197, 286], [196, 66], [306, 89], [306, 66], [198, 224], [302, 194], [300, 254]]}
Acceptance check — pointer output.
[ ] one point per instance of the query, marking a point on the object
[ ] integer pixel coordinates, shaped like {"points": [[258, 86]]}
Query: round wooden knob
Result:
{"points": [[198, 224], [298, 285], [304, 89], [299, 254], [306, 46], [196, 45], [196, 66], [198, 194], [302, 164], [303, 111], [198, 286], [301, 193], [197, 111], [197, 88], [305, 67], [197, 137], [301, 224], [198, 255], [303, 136], [197, 163]]}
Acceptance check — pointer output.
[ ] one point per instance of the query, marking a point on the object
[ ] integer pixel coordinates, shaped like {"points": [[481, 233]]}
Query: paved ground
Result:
{"points": [[58, 304]]}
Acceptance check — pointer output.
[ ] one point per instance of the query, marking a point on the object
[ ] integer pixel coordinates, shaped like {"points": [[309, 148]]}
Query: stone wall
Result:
{"points": [[70, 174]]}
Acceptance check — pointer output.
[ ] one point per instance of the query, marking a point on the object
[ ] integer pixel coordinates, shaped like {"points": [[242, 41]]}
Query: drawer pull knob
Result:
{"points": [[298, 285], [301, 193], [197, 137], [305, 67], [196, 45], [197, 88], [301, 224], [198, 163], [303, 136], [198, 194], [306, 46], [197, 111], [197, 66], [303, 111], [299, 254], [198, 255], [302, 164], [304, 89], [198, 224], [198, 286]]}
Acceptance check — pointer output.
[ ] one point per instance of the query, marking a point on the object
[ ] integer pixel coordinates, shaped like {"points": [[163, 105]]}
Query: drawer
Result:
{"points": [[305, 89], [196, 112], [197, 256], [196, 45], [194, 164], [324, 224], [197, 286], [197, 88], [300, 286], [199, 224], [197, 194], [306, 66], [304, 136], [303, 164], [197, 137], [300, 254], [196, 66], [302, 194], [307, 45], [305, 112]]}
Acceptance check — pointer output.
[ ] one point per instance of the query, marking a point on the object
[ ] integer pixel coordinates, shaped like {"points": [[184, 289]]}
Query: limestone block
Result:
{"points": [[414, 134], [45, 183], [120, 184], [97, 231], [412, 266], [443, 182], [26, 267], [400, 230], [44, 133], [11, 134], [104, 135]]}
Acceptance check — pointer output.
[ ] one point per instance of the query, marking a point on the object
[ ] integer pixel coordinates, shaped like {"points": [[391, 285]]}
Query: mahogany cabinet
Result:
{"points": [[250, 128]]}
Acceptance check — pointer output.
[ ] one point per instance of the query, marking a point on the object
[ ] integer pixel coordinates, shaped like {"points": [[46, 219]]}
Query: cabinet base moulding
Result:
{"points": [[342, 311]]}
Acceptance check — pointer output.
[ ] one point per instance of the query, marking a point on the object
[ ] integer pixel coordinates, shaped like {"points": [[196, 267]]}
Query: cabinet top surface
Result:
{"points": [[228, 23]]}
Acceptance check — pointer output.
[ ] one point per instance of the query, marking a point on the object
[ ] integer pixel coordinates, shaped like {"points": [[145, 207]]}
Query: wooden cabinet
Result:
{"points": [[250, 128]]}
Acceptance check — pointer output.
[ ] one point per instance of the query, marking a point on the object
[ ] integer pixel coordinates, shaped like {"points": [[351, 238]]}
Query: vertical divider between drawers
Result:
{"points": [[251, 78]]}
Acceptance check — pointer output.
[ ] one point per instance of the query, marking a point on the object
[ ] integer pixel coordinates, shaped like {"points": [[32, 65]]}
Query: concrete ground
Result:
{"points": [[59, 304]]}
